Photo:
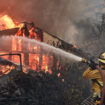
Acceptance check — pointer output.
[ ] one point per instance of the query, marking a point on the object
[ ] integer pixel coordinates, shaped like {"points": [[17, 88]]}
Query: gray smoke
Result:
{"points": [[72, 20]]}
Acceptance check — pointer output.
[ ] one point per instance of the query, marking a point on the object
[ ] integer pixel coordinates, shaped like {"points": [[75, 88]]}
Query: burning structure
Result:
{"points": [[33, 58]]}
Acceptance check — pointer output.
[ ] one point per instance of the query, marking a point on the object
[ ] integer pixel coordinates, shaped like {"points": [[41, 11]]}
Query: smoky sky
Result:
{"points": [[64, 18]]}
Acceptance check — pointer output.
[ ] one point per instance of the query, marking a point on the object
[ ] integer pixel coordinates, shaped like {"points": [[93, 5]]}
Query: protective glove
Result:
{"points": [[92, 64]]}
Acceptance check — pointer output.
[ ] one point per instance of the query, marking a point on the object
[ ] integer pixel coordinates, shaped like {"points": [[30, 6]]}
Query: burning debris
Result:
{"points": [[6, 66]]}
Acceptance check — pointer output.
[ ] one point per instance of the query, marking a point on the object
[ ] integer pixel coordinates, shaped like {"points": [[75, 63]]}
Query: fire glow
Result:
{"points": [[7, 22], [35, 60]]}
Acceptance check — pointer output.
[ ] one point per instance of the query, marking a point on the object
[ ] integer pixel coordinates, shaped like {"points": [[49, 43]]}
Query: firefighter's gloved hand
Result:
{"points": [[92, 64]]}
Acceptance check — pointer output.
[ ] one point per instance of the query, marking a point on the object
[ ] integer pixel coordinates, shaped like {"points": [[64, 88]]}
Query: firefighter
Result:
{"points": [[94, 75]]}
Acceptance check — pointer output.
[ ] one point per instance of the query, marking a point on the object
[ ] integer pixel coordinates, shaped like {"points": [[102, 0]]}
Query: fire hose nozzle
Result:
{"points": [[90, 63], [83, 60]]}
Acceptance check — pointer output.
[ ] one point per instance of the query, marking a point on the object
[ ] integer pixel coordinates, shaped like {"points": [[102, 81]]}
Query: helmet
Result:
{"points": [[102, 58]]}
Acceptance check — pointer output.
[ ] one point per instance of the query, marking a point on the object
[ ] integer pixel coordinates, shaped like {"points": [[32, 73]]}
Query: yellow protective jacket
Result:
{"points": [[94, 74]]}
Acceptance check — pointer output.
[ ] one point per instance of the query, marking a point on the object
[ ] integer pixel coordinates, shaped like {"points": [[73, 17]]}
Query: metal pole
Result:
{"points": [[19, 58]]}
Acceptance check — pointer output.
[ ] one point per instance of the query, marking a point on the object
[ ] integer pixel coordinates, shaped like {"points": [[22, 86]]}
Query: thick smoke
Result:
{"points": [[72, 20], [50, 15]]}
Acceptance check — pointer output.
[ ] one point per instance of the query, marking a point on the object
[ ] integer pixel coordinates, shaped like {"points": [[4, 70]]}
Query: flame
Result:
{"points": [[5, 69], [59, 74], [36, 62], [45, 61], [32, 33], [63, 80], [7, 22], [75, 46]]}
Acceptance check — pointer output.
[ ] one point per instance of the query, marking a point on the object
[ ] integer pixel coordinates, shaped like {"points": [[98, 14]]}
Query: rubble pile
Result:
{"points": [[35, 88], [40, 88]]}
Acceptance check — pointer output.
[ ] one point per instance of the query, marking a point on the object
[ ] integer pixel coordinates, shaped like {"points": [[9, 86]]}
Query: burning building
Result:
{"points": [[33, 58]]}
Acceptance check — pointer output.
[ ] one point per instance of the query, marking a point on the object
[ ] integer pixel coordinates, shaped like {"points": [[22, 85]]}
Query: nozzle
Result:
{"points": [[83, 60]]}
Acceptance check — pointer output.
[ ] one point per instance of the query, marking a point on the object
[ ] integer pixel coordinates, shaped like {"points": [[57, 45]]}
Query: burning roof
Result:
{"points": [[16, 28]]}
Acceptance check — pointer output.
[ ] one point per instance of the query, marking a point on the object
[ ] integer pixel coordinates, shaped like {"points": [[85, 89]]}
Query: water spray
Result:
{"points": [[45, 47]]}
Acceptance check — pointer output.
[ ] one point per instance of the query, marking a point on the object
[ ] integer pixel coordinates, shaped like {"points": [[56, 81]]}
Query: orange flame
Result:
{"points": [[7, 22], [75, 46], [5, 69], [36, 61]]}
